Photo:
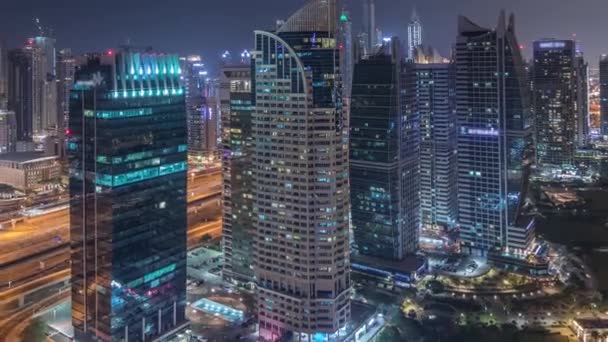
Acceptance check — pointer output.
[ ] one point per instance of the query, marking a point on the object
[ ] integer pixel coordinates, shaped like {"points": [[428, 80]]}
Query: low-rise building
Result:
{"points": [[28, 170], [590, 329], [399, 273]]}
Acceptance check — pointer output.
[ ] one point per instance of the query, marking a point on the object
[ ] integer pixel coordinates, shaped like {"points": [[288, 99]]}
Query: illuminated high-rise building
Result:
{"points": [[202, 120], [555, 100], [414, 34], [432, 96], [582, 99], [8, 132], [384, 148], [66, 66], [347, 56], [300, 178], [44, 84], [604, 94], [128, 161], [236, 102], [494, 139]]}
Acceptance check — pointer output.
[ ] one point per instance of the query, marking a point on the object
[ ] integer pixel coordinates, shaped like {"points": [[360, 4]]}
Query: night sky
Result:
{"points": [[208, 27]]}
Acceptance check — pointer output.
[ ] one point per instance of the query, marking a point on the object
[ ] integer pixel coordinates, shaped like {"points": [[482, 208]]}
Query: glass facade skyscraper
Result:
{"points": [[432, 89], [555, 100], [604, 94], [414, 35], [300, 178], [127, 159], [494, 138], [236, 102], [384, 147]]}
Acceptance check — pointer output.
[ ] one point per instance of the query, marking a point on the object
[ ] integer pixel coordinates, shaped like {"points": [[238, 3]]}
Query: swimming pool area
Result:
{"points": [[210, 307]]}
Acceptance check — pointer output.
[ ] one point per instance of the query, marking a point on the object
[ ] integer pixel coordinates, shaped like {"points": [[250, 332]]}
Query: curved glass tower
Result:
{"points": [[494, 139], [300, 179]]}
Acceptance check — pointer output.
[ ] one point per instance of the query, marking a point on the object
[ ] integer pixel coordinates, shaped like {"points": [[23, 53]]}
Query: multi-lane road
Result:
{"points": [[35, 249]]}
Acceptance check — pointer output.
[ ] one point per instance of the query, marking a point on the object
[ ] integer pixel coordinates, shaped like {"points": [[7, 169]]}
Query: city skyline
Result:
{"points": [[137, 23]]}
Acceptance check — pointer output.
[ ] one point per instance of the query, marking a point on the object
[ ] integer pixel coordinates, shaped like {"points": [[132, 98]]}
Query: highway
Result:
{"points": [[35, 250]]}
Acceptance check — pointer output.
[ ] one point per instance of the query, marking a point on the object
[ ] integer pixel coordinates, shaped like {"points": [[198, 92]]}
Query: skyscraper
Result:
{"points": [[300, 178], [555, 100], [194, 83], [432, 90], [582, 99], [8, 134], [494, 138], [604, 94], [236, 101], [346, 53], [66, 65], [369, 25], [3, 74], [127, 153], [414, 34], [44, 84], [20, 91], [384, 147]]}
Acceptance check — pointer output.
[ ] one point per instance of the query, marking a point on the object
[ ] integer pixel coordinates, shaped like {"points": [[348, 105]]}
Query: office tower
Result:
{"points": [[432, 92], [66, 66], [20, 91], [213, 119], [384, 147], [3, 75], [346, 53], [128, 160], [193, 81], [8, 133], [494, 138], [238, 232], [604, 94], [414, 34], [582, 99], [44, 84], [300, 178], [369, 25], [555, 87]]}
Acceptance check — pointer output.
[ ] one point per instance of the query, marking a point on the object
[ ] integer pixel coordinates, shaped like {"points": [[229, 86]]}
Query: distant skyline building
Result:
{"points": [[347, 53], [66, 66], [3, 75], [434, 102], [201, 134], [494, 139], [300, 179], [555, 100], [20, 92], [369, 25], [604, 94], [8, 131], [128, 217], [414, 34], [582, 99], [238, 234], [384, 148], [44, 84]]}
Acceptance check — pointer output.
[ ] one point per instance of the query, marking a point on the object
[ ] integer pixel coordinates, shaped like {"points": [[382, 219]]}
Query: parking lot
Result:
{"points": [[459, 266]]}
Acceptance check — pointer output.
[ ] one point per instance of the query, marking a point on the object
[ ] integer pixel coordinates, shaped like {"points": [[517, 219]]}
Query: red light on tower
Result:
{"points": [[522, 46], [110, 52], [68, 132]]}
